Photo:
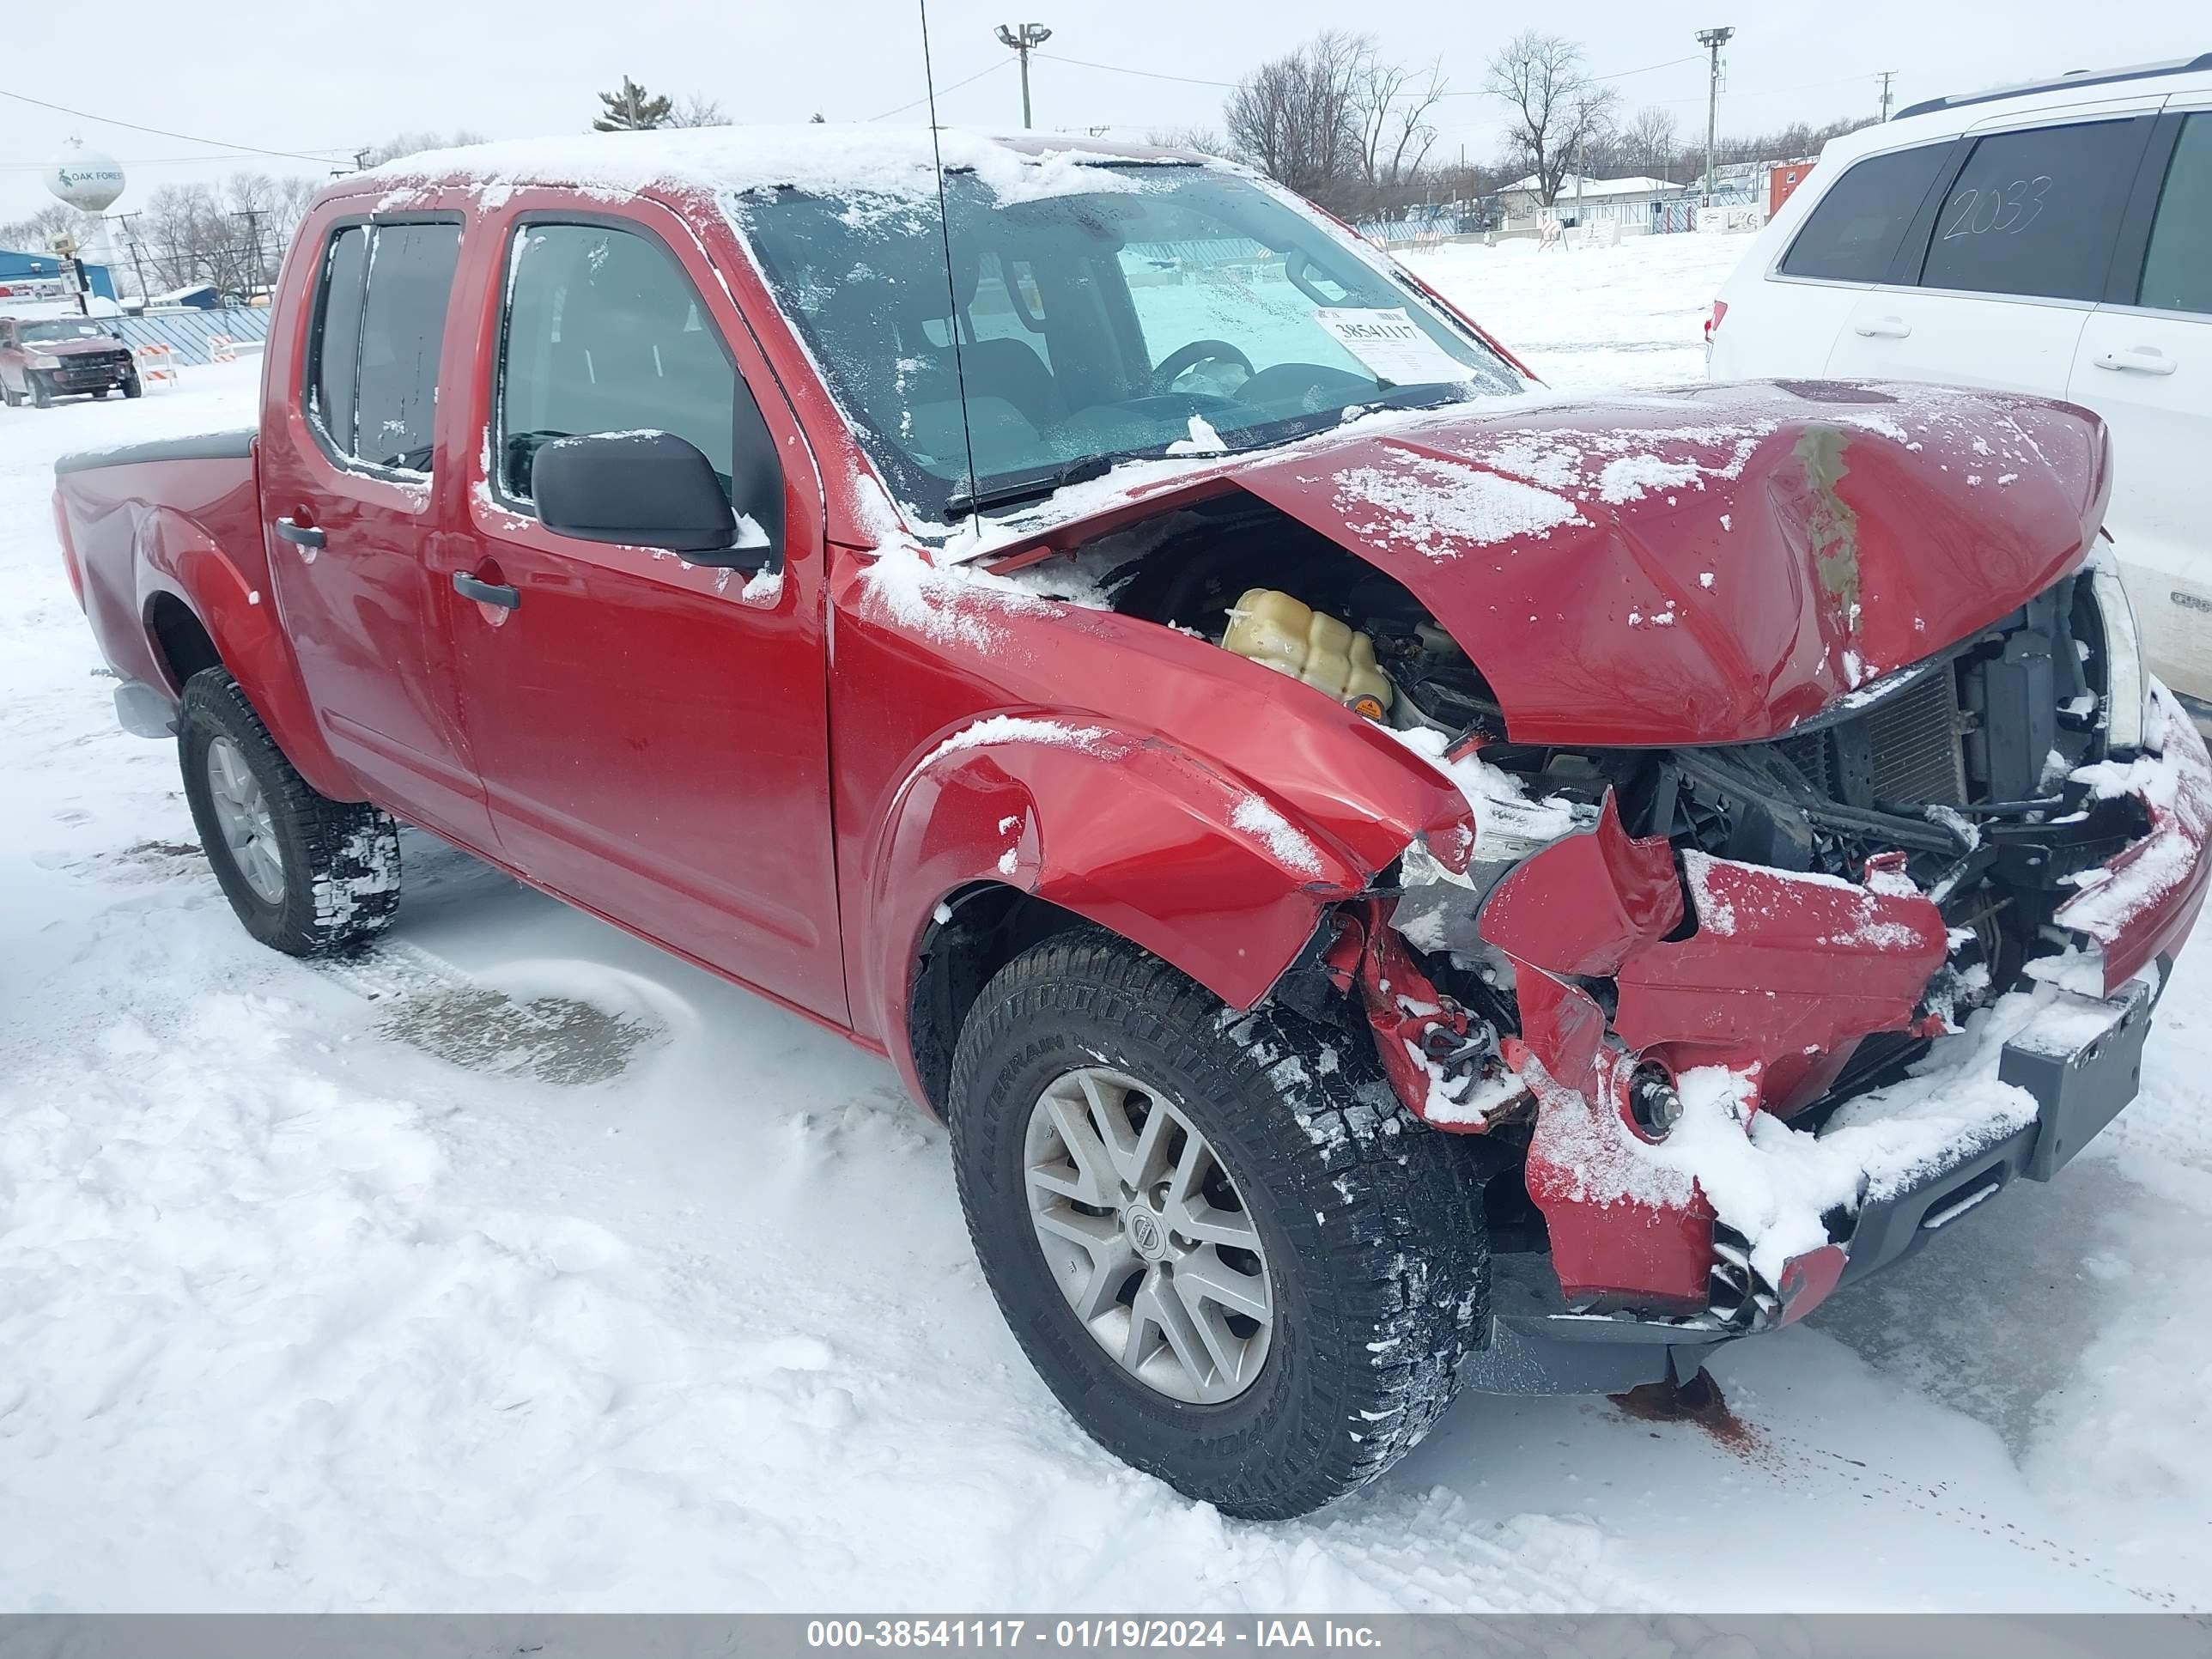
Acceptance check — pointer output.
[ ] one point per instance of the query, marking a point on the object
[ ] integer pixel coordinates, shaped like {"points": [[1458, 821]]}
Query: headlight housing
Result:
{"points": [[41, 360]]}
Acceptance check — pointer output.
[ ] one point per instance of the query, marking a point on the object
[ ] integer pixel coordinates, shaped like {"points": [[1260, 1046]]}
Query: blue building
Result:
{"points": [[51, 267]]}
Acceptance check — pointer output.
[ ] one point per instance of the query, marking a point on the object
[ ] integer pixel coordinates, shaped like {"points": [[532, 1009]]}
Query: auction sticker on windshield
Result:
{"points": [[1392, 346]]}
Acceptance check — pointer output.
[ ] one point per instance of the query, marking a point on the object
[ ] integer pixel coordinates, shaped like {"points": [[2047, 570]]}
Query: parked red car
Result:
{"points": [[1395, 880], [43, 358]]}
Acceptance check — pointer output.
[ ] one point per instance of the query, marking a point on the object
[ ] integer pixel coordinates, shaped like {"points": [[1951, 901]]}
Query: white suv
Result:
{"points": [[2054, 238]]}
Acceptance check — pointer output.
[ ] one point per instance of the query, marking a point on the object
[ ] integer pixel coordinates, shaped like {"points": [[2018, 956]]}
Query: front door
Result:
{"points": [[352, 507], [652, 736], [2147, 368], [2016, 253]]}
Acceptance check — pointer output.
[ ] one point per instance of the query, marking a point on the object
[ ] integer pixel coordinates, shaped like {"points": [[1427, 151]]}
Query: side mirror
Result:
{"points": [[644, 489]]}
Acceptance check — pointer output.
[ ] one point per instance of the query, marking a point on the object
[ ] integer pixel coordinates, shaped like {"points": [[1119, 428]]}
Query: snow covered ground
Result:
{"points": [[521, 1267]]}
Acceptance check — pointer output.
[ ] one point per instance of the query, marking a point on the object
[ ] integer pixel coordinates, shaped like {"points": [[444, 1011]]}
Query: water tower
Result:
{"points": [[90, 180]]}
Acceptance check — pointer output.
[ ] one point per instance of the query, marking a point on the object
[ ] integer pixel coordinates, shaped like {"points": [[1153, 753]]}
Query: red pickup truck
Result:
{"points": [[1396, 880], [46, 358]]}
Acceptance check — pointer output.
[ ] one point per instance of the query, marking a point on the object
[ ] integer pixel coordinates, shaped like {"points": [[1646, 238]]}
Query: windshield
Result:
{"points": [[65, 328], [1169, 307]]}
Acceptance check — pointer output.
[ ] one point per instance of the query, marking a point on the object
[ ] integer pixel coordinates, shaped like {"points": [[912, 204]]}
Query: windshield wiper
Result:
{"points": [[1035, 487]]}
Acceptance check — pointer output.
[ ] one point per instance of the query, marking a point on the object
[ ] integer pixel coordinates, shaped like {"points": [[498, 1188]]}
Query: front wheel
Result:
{"points": [[1219, 1238], [42, 395], [307, 875], [132, 388]]}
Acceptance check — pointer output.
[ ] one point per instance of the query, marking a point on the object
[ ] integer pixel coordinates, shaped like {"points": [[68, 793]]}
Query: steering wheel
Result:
{"points": [[1183, 359]]}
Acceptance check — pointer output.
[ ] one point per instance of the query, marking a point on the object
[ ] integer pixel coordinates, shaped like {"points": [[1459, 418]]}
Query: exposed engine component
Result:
{"points": [[1272, 628]]}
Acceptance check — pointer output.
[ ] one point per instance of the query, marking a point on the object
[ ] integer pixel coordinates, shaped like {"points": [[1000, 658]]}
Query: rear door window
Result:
{"points": [[2177, 274], [2035, 212], [1853, 232], [373, 377]]}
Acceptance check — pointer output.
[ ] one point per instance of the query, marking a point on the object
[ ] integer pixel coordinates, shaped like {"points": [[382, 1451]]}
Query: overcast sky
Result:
{"points": [[309, 77]]}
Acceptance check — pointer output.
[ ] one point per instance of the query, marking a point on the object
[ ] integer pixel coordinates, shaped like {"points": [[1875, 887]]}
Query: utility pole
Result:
{"points": [[131, 241], [1712, 40], [1025, 40], [253, 217], [1888, 75]]}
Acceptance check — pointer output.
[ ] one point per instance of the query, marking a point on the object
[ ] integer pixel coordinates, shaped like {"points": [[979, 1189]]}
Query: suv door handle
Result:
{"points": [[2138, 359], [1884, 328], [507, 599], [300, 535]]}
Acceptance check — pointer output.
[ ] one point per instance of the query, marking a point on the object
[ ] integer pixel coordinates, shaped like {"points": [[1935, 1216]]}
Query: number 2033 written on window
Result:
{"points": [[1391, 346]]}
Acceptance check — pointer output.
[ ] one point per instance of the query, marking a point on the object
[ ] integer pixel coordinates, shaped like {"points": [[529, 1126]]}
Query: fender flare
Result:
{"points": [[177, 557], [1124, 830]]}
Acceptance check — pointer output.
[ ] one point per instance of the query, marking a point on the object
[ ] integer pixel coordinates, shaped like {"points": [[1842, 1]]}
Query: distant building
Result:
{"points": [[1628, 200], [47, 276]]}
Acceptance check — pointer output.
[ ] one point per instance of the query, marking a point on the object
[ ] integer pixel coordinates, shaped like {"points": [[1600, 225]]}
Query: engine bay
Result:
{"points": [[1955, 772]]}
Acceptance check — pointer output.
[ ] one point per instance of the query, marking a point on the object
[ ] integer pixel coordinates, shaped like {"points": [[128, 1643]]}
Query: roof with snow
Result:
{"points": [[818, 157], [1589, 187]]}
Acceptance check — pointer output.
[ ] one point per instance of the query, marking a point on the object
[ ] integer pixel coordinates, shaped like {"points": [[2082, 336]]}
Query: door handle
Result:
{"points": [[2138, 359], [300, 535], [1884, 328], [507, 599]]}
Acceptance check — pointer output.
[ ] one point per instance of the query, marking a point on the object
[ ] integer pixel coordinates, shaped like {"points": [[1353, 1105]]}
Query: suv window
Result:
{"points": [[1853, 232], [381, 324], [606, 333], [2177, 273], [2035, 212]]}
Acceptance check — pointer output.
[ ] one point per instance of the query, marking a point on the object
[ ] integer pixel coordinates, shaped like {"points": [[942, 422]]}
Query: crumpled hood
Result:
{"points": [[1713, 565]]}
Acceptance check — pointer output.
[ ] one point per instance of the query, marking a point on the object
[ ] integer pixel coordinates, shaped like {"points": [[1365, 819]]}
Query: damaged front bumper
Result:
{"points": [[2075, 1072], [1753, 993]]}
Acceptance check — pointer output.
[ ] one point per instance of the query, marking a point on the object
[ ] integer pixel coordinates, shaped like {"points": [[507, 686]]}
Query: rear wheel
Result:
{"points": [[1222, 1242], [306, 875]]}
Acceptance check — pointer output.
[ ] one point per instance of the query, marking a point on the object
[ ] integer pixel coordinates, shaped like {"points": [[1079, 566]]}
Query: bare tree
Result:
{"points": [[414, 143], [1555, 111], [1294, 117], [1391, 104], [38, 232], [1649, 143], [699, 111], [1207, 141]]}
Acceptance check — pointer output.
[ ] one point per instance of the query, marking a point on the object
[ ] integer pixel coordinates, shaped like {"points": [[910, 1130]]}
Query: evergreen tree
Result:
{"points": [[632, 110]]}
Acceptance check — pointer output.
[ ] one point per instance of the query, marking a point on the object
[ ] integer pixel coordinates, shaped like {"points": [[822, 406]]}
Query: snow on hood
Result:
{"points": [[845, 160]]}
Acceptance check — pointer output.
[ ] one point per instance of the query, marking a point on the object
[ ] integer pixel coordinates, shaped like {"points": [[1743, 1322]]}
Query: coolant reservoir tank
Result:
{"points": [[1290, 636]]}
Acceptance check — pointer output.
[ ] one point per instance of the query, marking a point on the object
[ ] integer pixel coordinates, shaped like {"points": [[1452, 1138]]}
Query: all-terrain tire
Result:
{"points": [[132, 387], [340, 859], [1372, 1224]]}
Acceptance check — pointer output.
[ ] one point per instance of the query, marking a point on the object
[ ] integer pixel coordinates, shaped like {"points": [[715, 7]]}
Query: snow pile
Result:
{"points": [[2176, 783], [1509, 823]]}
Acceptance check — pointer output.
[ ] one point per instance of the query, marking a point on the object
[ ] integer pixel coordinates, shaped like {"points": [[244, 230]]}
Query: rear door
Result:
{"points": [[2145, 364], [1782, 321], [653, 736], [352, 505], [1993, 286]]}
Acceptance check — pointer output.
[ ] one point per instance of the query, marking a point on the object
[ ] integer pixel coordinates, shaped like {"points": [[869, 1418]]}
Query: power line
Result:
{"points": [[1004, 63], [164, 132], [1230, 86], [1149, 75]]}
